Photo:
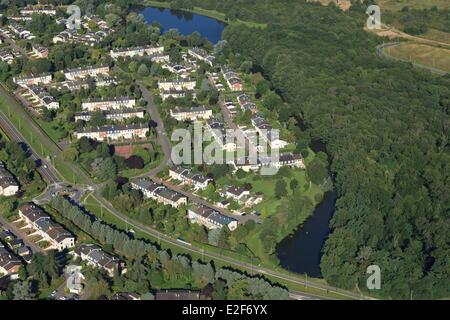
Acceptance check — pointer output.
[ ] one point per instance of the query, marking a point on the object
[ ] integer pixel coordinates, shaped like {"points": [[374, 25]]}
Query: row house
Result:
{"points": [[21, 32], [210, 218], [29, 80], [160, 193], [99, 22], [108, 104], [95, 257], [38, 9], [243, 196], [8, 183], [202, 55], [114, 132], [194, 113], [20, 18], [115, 115], [185, 175], [136, 51], [52, 232], [214, 79], [176, 94], [81, 73], [232, 78], [178, 84], [221, 137], [6, 56], [266, 132], [283, 160], [160, 58], [40, 51], [42, 96], [9, 263], [246, 103], [77, 85]]}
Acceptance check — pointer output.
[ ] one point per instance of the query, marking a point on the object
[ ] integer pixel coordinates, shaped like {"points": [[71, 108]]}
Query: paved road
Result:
{"points": [[45, 169], [161, 135], [137, 226], [186, 247]]}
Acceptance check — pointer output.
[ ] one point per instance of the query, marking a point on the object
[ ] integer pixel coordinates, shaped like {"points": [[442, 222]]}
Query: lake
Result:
{"points": [[302, 251], [185, 22]]}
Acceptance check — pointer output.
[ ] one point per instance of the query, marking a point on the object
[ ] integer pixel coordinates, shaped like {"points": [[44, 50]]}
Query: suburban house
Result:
{"points": [[177, 85], [283, 160], [202, 55], [24, 81], [160, 58], [114, 132], [136, 51], [81, 73], [236, 193], [9, 263], [115, 114], [94, 256], [197, 180], [194, 113], [56, 235], [159, 193], [176, 94], [210, 218], [246, 103], [232, 78], [20, 18], [40, 51], [42, 97], [107, 104], [8, 184], [266, 132], [21, 32], [6, 56], [243, 196], [219, 133]]}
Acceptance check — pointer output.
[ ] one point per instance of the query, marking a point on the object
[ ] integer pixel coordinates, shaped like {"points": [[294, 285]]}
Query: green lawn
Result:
{"points": [[428, 56], [37, 138]]}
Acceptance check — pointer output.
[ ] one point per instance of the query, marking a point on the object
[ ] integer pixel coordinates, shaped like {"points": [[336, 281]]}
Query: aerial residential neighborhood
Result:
{"points": [[223, 150]]}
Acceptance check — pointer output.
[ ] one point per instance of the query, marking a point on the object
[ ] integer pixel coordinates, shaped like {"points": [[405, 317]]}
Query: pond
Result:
{"points": [[185, 22], [302, 251]]}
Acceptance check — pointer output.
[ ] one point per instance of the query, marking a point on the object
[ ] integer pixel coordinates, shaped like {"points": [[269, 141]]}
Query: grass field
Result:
{"points": [[416, 4], [437, 35], [427, 56]]}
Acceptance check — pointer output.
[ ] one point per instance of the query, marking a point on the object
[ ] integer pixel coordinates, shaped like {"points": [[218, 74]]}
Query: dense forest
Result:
{"points": [[386, 126]]}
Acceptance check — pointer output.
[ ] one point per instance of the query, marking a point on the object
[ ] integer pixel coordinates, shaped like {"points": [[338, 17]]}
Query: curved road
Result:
{"points": [[6, 124]]}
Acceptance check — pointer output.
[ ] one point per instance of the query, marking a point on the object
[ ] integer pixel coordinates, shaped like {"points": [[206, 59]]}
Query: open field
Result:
{"points": [[427, 56], [437, 35]]}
